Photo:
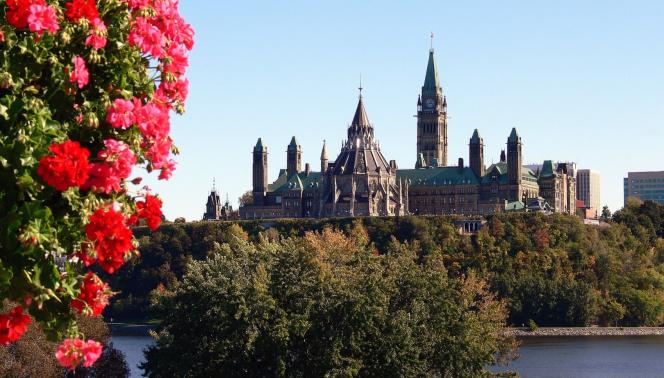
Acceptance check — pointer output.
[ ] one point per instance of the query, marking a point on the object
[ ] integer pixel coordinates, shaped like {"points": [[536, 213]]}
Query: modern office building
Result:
{"points": [[645, 186], [588, 190]]}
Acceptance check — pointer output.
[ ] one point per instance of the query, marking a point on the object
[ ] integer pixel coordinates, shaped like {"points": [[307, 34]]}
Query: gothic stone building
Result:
{"points": [[361, 182], [215, 210]]}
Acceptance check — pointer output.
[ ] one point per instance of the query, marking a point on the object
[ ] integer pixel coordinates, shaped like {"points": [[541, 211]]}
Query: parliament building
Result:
{"points": [[362, 182]]}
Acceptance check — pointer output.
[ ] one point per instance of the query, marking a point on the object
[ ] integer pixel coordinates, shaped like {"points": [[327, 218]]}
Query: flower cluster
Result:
{"points": [[72, 352], [116, 161], [150, 210], [33, 14], [93, 297], [67, 167], [13, 325], [77, 118], [111, 237]]}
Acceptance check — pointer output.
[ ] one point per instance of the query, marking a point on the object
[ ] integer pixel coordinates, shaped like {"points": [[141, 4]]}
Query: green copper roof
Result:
{"points": [[514, 135], [259, 145], [547, 169], [431, 82], [515, 206], [501, 168], [296, 181], [293, 144], [476, 137], [438, 176]]}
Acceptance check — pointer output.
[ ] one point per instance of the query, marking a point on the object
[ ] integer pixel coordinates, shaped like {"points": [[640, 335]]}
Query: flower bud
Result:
{"points": [[65, 37], [6, 80], [92, 120]]}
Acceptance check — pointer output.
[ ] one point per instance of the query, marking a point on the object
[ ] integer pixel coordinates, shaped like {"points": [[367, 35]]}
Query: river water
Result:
{"points": [[548, 357]]}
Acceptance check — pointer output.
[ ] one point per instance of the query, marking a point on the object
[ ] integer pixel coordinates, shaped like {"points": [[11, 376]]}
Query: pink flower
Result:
{"points": [[97, 37], [117, 162], [176, 60], [42, 17], [72, 352], [80, 73], [121, 113], [176, 91], [147, 37], [167, 170], [153, 121]]}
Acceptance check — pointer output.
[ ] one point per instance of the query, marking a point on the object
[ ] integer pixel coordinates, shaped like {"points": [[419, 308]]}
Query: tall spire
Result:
{"points": [[431, 81], [323, 153], [360, 118]]}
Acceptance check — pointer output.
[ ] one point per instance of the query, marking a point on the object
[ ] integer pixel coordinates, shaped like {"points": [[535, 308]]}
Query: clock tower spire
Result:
{"points": [[432, 117]]}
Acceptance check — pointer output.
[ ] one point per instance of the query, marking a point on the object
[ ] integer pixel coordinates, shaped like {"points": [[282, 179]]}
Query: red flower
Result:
{"points": [[13, 325], [73, 352], [111, 237], [118, 159], [42, 17], [150, 210], [18, 12], [93, 297], [68, 167], [79, 75], [78, 9]]}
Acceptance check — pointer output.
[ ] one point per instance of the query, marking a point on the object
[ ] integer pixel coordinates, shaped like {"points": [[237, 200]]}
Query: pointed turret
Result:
{"points": [[259, 146], [360, 119], [476, 137], [293, 144], [515, 165], [476, 154], [514, 136], [324, 158], [259, 172], [293, 158]]}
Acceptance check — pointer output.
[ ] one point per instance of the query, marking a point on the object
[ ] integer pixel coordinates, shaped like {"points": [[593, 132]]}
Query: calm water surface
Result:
{"points": [[553, 357], [591, 356]]}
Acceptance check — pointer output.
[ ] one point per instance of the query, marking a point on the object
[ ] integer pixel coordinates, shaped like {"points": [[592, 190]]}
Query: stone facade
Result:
{"points": [[215, 210], [361, 182]]}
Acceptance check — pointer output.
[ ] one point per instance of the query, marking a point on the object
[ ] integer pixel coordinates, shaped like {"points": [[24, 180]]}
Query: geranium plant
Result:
{"points": [[87, 88]]}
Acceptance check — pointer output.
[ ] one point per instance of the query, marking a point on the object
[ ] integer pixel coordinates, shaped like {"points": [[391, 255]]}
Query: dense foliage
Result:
{"points": [[86, 92], [553, 270], [325, 305]]}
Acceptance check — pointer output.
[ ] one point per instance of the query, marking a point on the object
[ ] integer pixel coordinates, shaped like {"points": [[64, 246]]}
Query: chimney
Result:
{"points": [[502, 156], [307, 169], [460, 164]]}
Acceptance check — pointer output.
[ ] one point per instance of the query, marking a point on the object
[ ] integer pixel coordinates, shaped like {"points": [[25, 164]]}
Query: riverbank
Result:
{"points": [[586, 331], [130, 329]]}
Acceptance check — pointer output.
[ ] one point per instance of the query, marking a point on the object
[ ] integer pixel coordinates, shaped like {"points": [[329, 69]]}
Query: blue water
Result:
{"points": [[591, 357], [132, 347], [546, 357]]}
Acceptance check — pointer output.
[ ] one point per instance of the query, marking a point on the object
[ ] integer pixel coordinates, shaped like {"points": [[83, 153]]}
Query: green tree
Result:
{"points": [[606, 214], [325, 305]]}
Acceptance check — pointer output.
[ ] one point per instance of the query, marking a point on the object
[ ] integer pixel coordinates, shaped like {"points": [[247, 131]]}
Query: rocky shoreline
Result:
{"points": [[586, 331]]}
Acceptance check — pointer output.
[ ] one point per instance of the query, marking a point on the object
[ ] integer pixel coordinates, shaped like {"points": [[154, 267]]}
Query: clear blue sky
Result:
{"points": [[582, 81]]}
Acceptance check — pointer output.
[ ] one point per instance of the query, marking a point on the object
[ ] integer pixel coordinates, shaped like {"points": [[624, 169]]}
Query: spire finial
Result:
{"points": [[360, 87], [431, 40], [214, 184]]}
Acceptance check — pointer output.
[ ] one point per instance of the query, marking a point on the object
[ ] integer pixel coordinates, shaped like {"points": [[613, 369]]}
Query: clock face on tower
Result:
{"points": [[430, 103]]}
